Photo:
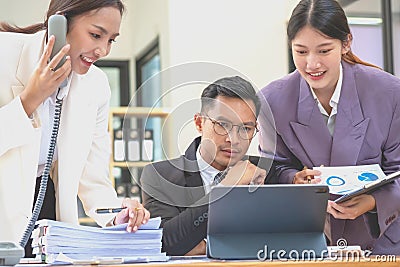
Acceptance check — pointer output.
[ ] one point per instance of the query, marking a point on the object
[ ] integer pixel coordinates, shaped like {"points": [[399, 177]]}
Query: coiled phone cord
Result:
{"points": [[45, 175]]}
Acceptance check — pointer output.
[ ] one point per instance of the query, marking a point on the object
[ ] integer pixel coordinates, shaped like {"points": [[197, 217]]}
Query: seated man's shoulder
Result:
{"points": [[171, 170], [166, 165], [164, 181]]}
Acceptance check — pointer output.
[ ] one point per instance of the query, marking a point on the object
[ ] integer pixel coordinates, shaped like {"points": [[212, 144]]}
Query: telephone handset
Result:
{"points": [[57, 26]]}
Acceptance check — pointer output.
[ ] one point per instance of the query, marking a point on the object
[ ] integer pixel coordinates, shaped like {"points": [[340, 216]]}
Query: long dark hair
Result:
{"points": [[326, 16], [70, 9]]}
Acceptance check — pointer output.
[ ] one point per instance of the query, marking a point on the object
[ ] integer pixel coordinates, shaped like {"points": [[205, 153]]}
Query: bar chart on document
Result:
{"points": [[344, 179]]}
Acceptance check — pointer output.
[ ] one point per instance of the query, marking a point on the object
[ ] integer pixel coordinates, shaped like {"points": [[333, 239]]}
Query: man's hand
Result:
{"points": [[199, 249], [135, 215], [244, 173], [352, 208]]}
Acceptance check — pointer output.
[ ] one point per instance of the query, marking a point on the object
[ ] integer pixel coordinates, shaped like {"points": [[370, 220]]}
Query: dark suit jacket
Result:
{"points": [[173, 189]]}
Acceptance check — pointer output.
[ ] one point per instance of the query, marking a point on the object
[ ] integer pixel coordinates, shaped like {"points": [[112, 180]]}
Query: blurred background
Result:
{"points": [[169, 50]]}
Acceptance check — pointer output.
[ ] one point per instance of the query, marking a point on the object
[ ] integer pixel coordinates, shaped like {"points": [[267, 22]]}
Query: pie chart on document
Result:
{"points": [[367, 177]]}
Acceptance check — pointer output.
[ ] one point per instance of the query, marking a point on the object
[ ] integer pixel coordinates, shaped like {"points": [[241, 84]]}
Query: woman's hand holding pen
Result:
{"points": [[134, 214], [306, 176], [352, 208], [45, 80]]}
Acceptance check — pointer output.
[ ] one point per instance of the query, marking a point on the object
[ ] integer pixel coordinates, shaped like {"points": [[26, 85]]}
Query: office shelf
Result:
{"points": [[131, 112], [126, 166]]}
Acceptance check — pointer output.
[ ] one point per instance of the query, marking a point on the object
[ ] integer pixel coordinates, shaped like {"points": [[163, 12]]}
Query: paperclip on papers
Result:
{"points": [[77, 242]]}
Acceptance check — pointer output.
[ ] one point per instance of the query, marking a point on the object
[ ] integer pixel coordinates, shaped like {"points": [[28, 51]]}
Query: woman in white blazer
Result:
{"points": [[28, 85]]}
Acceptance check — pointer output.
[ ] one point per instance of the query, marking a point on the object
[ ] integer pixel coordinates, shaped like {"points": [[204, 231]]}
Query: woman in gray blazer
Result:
{"points": [[336, 110]]}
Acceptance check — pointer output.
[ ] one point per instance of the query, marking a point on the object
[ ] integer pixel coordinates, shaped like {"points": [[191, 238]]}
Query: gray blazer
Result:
{"points": [[366, 132]]}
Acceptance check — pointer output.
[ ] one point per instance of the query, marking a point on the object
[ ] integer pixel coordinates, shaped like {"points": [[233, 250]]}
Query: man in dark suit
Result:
{"points": [[177, 189]]}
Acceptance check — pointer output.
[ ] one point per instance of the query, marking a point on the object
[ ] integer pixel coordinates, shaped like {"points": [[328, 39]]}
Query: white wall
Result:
{"points": [[241, 37], [245, 36], [23, 13], [371, 35]]}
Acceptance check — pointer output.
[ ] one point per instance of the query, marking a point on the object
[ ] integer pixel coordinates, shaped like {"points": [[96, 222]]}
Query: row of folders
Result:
{"points": [[133, 145]]}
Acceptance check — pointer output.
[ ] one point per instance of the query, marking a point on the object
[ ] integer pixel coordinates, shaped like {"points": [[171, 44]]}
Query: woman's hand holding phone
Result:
{"points": [[45, 79]]}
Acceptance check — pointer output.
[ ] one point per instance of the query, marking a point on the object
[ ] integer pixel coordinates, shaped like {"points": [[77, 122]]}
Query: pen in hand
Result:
{"points": [[308, 176], [109, 210]]}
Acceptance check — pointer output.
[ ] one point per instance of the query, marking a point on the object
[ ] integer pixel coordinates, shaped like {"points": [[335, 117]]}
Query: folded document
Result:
{"points": [[344, 179]]}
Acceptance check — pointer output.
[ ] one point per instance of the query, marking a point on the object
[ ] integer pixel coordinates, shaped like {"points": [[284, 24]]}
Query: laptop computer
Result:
{"points": [[266, 222]]}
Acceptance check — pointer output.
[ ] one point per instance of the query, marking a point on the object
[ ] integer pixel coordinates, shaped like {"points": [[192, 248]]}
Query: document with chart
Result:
{"points": [[344, 179]]}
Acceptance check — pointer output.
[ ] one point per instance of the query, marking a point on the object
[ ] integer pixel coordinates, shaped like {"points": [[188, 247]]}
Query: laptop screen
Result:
{"points": [[244, 219]]}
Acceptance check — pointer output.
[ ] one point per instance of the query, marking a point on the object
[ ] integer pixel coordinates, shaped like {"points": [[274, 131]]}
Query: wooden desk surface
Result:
{"points": [[373, 261]]}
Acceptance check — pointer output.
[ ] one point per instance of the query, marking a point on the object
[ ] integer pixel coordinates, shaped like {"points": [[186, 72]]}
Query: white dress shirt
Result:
{"points": [[330, 119], [207, 172], [46, 112]]}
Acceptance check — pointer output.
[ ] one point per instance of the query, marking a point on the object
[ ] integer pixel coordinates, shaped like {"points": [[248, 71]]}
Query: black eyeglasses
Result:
{"points": [[245, 132]]}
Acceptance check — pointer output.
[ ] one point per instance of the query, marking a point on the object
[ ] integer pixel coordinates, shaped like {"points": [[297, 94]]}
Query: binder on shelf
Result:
{"points": [[119, 145], [148, 146], [124, 184], [134, 190], [121, 190], [126, 156], [133, 145], [116, 123]]}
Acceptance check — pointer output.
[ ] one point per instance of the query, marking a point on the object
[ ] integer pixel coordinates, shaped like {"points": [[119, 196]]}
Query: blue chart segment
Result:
{"points": [[335, 181], [367, 177]]}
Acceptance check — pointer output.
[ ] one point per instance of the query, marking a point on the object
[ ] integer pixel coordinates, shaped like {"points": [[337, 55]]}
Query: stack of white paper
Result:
{"points": [[50, 238]]}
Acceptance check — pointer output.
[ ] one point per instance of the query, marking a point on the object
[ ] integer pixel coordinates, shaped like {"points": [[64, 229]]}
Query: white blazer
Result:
{"points": [[83, 141]]}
